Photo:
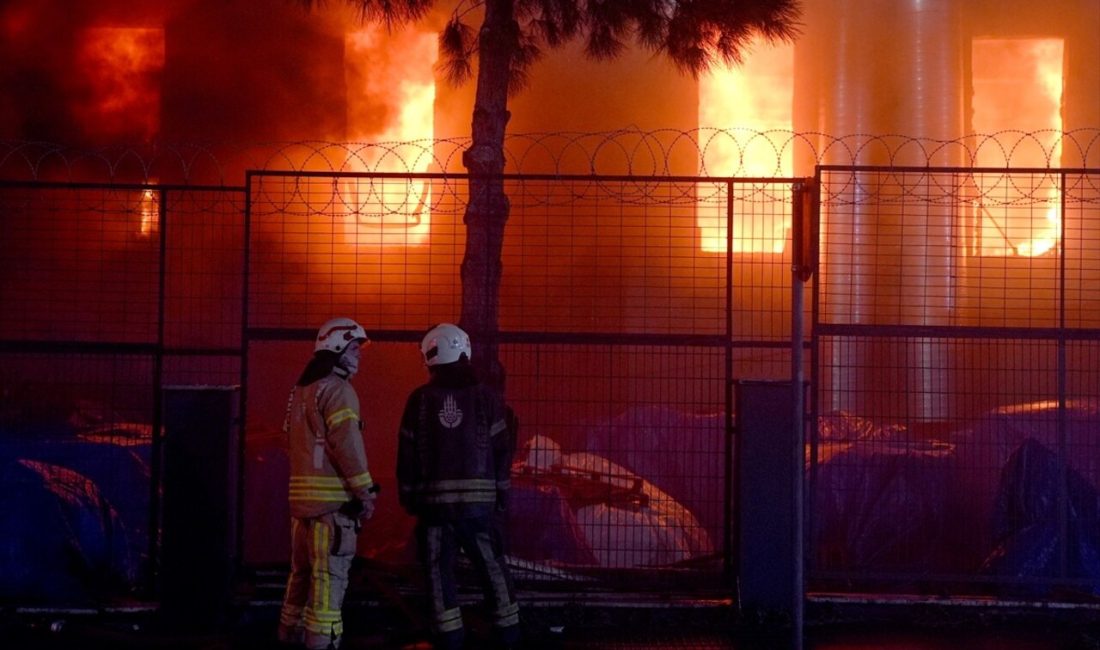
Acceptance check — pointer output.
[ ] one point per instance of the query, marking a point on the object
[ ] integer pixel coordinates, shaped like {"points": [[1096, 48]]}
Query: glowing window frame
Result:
{"points": [[392, 212], [759, 108], [1012, 219]]}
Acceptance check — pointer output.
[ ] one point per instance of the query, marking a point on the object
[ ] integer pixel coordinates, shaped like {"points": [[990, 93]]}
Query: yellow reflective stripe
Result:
{"points": [[504, 485], [359, 480], [316, 480], [324, 548], [336, 489], [342, 415], [323, 624], [326, 488], [407, 433], [328, 484], [327, 616], [472, 490], [507, 615], [319, 564], [449, 620], [461, 497], [314, 495], [434, 543], [507, 621], [449, 626], [290, 615], [448, 485]]}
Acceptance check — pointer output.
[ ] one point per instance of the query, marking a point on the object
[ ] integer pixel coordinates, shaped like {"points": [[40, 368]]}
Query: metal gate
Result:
{"points": [[628, 309], [956, 399], [110, 292], [954, 321]]}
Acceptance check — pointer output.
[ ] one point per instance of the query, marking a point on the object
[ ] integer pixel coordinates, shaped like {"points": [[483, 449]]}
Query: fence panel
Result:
{"points": [[954, 403], [618, 333], [99, 311]]}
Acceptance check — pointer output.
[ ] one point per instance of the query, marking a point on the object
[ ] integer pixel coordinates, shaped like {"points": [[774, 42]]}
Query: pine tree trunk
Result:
{"points": [[487, 210]]}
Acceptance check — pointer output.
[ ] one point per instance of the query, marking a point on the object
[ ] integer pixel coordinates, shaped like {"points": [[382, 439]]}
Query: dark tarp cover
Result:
{"points": [[62, 541], [1027, 522]]}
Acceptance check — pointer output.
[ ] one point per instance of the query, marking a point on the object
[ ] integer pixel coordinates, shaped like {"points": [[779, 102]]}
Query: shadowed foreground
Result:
{"points": [[830, 626]]}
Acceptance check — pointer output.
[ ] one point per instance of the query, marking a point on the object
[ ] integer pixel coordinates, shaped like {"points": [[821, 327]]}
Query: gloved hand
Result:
{"points": [[368, 507], [502, 501], [361, 509]]}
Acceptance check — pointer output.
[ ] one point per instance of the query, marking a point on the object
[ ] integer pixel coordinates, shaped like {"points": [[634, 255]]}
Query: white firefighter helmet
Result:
{"points": [[335, 335], [445, 343]]}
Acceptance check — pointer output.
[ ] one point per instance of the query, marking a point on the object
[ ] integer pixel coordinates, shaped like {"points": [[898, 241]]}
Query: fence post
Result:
{"points": [[803, 233], [199, 539]]}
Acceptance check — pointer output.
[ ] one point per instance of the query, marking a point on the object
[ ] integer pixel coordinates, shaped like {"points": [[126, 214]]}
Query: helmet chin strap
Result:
{"points": [[350, 365]]}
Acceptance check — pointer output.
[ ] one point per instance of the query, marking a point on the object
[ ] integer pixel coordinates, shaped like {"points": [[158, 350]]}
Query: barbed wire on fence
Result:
{"points": [[699, 154]]}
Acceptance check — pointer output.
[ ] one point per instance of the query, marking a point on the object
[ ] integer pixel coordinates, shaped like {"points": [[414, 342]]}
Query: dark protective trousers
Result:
{"points": [[439, 545]]}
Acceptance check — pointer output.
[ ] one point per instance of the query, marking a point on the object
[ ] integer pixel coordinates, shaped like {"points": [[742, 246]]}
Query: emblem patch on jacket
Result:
{"points": [[450, 415]]}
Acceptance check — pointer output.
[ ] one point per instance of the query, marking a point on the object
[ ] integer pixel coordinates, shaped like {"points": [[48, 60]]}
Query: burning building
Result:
{"points": [[198, 70], [884, 85]]}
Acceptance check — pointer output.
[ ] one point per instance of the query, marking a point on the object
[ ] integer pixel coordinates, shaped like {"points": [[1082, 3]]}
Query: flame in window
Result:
{"points": [[749, 100], [1018, 86], [119, 69], [149, 211], [391, 103]]}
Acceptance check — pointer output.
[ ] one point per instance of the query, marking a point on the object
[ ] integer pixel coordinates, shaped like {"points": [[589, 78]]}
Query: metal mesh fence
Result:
{"points": [[954, 348], [618, 337], [324, 244], [955, 397], [108, 293], [627, 444], [76, 457], [204, 272], [80, 264]]}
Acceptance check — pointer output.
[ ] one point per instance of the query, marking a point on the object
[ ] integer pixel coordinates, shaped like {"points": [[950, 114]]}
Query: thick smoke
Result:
{"points": [[234, 72]]}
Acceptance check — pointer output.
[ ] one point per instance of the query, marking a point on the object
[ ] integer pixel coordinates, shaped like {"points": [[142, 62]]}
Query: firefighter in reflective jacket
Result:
{"points": [[331, 490], [453, 464]]}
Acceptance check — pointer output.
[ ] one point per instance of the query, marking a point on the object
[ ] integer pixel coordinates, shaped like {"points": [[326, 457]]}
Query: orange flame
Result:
{"points": [[750, 100], [397, 68], [120, 66], [1018, 86], [150, 213]]}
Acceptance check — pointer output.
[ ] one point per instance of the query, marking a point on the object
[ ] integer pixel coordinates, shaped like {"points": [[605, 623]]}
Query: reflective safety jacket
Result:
{"points": [[454, 454], [328, 462]]}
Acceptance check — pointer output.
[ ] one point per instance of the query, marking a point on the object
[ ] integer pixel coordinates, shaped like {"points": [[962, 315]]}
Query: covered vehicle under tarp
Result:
{"points": [[681, 454], [1041, 531], [975, 500], [983, 450], [615, 518], [542, 526], [116, 458], [63, 542], [879, 499], [74, 522]]}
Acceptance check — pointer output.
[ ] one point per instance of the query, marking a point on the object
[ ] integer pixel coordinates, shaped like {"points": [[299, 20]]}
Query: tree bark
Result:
{"points": [[488, 206]]}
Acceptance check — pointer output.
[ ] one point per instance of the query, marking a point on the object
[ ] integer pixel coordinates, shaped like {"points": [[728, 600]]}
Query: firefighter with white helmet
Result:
{"points": [[445, 343], [331, 489], [454, 460]]}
